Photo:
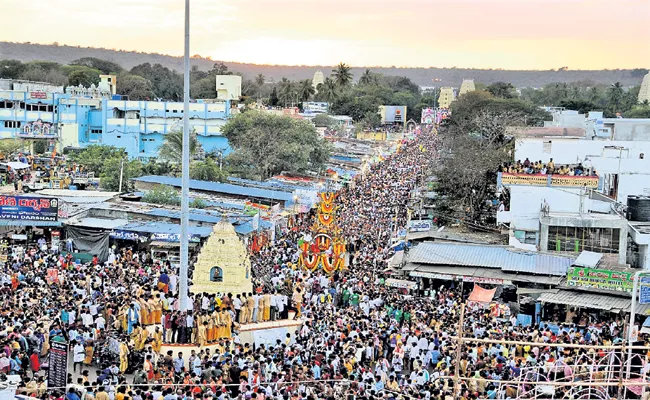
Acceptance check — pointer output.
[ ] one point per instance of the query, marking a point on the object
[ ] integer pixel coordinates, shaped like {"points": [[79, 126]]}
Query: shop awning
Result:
{"points": [[401, 283], [587, 300], [474, 274], [481, 295]]}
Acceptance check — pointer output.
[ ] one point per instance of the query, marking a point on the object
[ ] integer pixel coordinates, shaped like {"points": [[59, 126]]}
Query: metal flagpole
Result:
{"points": [[185, 176]]}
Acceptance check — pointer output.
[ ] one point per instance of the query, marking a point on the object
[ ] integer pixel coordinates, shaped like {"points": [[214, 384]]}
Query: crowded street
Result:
{"points": [[357, 339]]}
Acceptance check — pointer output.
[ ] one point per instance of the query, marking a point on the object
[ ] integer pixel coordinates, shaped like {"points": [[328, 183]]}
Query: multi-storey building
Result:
{"points": [[569, 213], [80, 117]]}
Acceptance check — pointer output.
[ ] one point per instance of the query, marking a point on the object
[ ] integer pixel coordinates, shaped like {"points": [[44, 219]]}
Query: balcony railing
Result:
{"points": [[506, 179]]}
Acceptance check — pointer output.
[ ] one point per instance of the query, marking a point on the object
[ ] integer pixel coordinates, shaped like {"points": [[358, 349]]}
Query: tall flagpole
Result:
{"points": [[185, 177]]}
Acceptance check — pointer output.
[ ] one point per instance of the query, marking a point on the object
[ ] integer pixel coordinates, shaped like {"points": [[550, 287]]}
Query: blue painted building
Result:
{"points": [[76, 121]]}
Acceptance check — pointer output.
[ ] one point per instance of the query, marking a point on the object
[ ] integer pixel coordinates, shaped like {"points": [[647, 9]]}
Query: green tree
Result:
{"points": [[274, 100], [40, 146], [41, 71], [324, 120], [615, 96], [162, 194], [172, 148], [9, 146], [84, 76], [106, 67], [288, 92], [502, 89], [328, 90], [135, 87], [11, 69], [207, 170], [94, 156], [166, 84], [638, 112], [266, 144], [367, 78], [342, 75], [204, 89], [260, 80], [306, 89], [110, 175]]}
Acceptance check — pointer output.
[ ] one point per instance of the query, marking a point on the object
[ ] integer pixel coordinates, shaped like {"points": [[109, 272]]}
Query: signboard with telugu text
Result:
{"points": [[57, 376], [600, 279], [419, 225], [24, 208], [644, 291]]}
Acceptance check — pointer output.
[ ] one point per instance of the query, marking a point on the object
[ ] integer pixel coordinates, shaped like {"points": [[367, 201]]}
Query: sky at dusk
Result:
{"points": [[508, 34]]}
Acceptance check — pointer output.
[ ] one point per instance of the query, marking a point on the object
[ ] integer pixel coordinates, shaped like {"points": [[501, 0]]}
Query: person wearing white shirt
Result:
{"points": [[100, 322]]}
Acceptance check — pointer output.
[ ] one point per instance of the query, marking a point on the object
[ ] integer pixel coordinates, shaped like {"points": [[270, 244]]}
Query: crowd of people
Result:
{"points": [[358, 339], [549, 168]]}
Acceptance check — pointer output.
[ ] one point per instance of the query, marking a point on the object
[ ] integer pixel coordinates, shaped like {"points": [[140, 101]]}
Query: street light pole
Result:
{"points": [[185, 175]]}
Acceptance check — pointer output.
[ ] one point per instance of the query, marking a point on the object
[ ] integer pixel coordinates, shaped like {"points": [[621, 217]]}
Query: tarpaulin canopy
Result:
{"points": [[482, 295]]}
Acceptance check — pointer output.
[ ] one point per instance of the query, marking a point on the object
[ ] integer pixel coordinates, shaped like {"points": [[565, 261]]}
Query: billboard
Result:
{"points": [[393, 114], [24, 208], [600, 279], [428, 116]]}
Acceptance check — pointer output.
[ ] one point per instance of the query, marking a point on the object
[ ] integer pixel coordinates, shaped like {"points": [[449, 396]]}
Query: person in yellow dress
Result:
{"points": [[210, 331], [124, 356], [202, 334], [157, 340], [267, 307], [226, 320], [151, 302], [144, 311]]}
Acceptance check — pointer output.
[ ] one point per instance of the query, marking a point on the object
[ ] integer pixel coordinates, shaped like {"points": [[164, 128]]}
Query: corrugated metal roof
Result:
{"points": [[586, 300], [161, 227], [242, 223], [588, 259], [216, 187], [491, 257], [479, 272], [7, 222], [101, 223]]}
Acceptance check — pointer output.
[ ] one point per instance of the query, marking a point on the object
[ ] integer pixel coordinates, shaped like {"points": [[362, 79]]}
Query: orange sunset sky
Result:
{"points": [[509, 34]]}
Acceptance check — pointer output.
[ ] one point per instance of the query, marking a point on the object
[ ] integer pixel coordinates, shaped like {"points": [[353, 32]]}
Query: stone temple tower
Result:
{"points": [[223, 265], [644, 92]]}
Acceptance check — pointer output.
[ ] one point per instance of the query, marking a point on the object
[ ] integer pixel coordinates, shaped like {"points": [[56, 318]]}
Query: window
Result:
{"points": [[216, 274], [97, 131], [12, 124], [6, 104], [574, 239], [118, 113]]}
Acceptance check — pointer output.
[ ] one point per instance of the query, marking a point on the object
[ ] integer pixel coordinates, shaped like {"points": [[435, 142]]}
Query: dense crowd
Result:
{"points": [[358, 339], [549, 168]]}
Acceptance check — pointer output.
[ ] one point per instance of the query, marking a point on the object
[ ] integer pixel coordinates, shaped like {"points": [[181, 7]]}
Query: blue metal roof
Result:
{"points": [[162, 227], [241, 223], [491, 257], [217, 187]]}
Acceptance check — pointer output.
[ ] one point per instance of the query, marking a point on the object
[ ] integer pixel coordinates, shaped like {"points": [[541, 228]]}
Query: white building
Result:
{"points": [[574, 213], [228, 87]]}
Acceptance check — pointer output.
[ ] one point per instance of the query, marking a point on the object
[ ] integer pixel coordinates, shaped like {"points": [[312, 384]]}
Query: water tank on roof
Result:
{"points": [[638, 208]]}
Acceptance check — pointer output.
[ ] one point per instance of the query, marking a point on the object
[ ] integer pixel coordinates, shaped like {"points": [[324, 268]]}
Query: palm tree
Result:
{"points": [[306, 89], [594, 94], [615, 96], [288, 92], [342, 75], [328, 90], [367, 78], [172, 148], [260, 79]]}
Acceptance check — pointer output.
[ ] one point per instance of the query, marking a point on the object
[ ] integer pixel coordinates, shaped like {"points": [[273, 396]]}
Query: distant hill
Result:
{"points": [[422, 76]]}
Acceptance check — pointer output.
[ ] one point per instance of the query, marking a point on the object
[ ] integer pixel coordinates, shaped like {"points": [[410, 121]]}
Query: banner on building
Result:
{"points": [[57, 376], [24, 208], [600, 279], [428, 116], [393, 114], [128, 235], [420, 225], [174, 237]]}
